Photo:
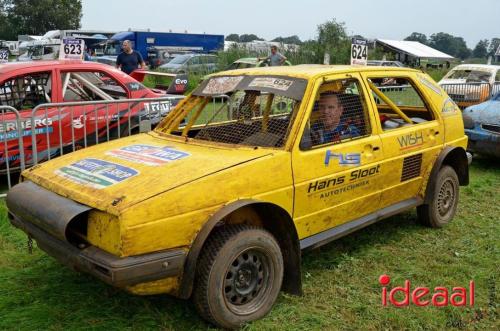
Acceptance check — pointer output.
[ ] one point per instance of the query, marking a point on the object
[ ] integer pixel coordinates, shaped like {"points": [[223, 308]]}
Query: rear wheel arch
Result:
{"points": [[271, 217], [455, 157]]}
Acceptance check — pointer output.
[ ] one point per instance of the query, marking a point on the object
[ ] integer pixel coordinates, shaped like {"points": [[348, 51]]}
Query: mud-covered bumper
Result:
{"points": [[109, 268]]}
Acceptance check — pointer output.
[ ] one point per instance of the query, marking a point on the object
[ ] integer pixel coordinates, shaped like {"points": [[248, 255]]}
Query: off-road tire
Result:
{"points": [[443, 200], [237, 262]]}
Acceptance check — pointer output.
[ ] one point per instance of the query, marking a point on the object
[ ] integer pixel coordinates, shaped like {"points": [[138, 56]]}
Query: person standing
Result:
{"points": [[129, 60], [275, 59]]}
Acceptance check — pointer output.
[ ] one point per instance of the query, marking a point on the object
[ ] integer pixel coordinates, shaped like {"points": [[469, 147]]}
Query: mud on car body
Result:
{"points": [[218, 201]]}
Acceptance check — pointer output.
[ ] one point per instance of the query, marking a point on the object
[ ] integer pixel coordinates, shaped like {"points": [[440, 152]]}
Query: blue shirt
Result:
{"points": [[129, 62], [344, 130]]}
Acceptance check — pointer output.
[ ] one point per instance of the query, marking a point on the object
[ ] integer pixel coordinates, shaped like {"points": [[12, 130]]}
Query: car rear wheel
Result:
{"points": [[443, 200], [239, 276]]}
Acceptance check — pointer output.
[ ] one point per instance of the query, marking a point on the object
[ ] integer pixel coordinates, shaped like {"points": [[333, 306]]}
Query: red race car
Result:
{"points": [[88, 104]]}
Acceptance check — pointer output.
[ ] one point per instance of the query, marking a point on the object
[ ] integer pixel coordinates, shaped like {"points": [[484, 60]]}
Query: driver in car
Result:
{"points": [[331, 125]]}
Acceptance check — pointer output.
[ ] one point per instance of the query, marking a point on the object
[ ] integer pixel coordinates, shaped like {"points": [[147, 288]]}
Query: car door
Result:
{"points": [[409, 146], [25, 90], [336, 179]]}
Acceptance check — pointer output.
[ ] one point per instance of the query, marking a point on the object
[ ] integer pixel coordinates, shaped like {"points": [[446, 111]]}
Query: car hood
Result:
{"points": [[116, 175], [170, 66], [487, 112]]}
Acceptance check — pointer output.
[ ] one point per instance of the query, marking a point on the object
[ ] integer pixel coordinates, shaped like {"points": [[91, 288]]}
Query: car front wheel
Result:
{"points": [[239, 275], [443, 200]]}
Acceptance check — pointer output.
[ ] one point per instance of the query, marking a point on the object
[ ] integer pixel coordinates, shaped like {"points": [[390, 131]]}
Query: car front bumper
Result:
{"points": [[48, 228]]}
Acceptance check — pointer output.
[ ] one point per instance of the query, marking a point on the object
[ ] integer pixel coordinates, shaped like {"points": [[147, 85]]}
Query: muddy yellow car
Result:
{"points": [[255, 166]]}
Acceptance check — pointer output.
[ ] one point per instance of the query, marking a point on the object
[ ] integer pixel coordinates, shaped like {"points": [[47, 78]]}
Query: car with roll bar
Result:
{"points": [[218, 202], [471, 84], [251, 62], [86, 103]]}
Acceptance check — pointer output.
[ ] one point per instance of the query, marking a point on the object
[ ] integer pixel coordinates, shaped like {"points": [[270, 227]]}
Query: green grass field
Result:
{"points": [[341, 290]]}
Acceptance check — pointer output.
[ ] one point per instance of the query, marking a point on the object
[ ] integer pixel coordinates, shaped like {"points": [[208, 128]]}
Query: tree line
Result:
{"points": [[36, 17], [332, 35], [456, 46]]}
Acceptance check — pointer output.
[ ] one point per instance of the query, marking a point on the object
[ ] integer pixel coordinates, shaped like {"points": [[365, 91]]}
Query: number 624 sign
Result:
{"points": [[71, 49], [359, 52]]}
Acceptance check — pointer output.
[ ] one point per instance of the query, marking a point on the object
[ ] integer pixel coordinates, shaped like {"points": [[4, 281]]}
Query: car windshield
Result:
{"points": [[239, 110], [180, 59], [471, 75], [112, 48]]}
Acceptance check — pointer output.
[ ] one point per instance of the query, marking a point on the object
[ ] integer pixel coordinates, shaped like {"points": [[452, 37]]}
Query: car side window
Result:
{"points": [[339, 114], [399, 103], [497, 77], [26, 91], [194, 60], [90, 86]]}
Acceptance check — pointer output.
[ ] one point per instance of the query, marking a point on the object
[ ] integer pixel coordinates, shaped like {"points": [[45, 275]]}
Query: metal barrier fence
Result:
{"points": [[5, 135], [29, 137]]}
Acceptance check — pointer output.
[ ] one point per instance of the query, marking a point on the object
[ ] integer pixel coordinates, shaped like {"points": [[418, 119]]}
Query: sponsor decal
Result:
{"points": [[411, 140], [423, 296], [180, 81], [9, 130], [96, 173], [82, 120], [135, 86], [159, 108], [343, 189], [343, 183], [449, 106], [429, 84], [147, 154], [222, 85], [78, 122], [347, 159], [269, 82]]}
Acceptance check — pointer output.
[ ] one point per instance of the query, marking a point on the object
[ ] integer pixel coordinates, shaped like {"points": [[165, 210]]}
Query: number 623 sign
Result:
{"points": [[71, 49], [359, 52]]}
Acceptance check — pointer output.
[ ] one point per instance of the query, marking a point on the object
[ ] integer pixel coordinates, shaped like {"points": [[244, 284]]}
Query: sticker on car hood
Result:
{"points": [[148, 155], [96, 173]]}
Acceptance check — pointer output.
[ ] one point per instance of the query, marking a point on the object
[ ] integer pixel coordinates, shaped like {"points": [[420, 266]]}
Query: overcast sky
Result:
{"points": [[385, 19]]}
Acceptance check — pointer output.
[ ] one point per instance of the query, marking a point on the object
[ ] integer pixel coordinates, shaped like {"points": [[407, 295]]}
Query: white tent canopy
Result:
{"points": [[414, 49]]}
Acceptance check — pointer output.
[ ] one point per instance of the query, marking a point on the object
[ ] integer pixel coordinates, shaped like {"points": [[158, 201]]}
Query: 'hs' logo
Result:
{"points": [[347, 159]]}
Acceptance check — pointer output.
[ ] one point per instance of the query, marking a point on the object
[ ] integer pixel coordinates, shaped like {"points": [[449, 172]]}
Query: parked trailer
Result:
{"points": [[144, 41]]}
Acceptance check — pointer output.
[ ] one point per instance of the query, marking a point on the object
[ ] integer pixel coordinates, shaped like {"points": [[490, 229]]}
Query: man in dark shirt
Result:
{"points": [[129, 60]]}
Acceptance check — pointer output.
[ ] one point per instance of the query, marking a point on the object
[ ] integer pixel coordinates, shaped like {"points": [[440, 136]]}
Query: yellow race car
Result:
{"points": [[254, 166]]}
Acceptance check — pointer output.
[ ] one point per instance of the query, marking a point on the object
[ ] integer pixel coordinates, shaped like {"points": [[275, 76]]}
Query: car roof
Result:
{"points": [[250, 60], [308, 71], [488, 67], [37, 65]]}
